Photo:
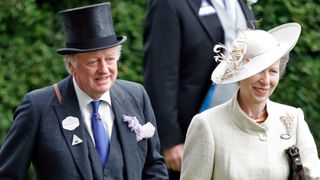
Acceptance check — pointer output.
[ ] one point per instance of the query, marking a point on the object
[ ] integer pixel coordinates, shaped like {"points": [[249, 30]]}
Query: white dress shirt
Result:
{"points": [[105, 109]]}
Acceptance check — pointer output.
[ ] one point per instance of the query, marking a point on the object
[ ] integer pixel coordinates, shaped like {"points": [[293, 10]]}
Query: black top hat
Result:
{"points": [[89, 28]]}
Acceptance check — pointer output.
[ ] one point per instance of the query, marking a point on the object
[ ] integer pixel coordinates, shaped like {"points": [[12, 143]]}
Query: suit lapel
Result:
{"points": [[69, 108], [210, 23], [248, 14], [127, 138]]}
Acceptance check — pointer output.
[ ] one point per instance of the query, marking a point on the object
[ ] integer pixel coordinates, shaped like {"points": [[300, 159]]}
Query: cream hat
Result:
{"points": [[253, 51]]}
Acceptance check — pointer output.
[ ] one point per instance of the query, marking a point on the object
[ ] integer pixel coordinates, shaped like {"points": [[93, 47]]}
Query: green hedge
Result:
{"points": [[30, 33], [27, 54]]}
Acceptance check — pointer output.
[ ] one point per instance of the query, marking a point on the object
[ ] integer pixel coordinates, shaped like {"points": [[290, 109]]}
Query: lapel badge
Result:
{"points": [[288, 121], [76, 140], [70, 123]]}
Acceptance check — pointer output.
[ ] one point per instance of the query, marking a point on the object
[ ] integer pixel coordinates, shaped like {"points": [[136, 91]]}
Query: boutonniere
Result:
{"points": [[142, 131], [288, 122], [250, 2]]}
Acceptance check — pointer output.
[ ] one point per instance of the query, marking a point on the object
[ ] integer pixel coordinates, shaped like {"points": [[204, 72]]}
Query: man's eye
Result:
{"points": [[110, 60], [93, 61]]}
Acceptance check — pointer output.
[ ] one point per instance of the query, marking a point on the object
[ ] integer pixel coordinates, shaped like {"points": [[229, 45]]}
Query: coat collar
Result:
{"points": [[243, 121], [246, 124], [275, 123]]}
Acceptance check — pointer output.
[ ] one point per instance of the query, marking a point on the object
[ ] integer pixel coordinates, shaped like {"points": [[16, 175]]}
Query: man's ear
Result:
{"points": [[71, 68]]}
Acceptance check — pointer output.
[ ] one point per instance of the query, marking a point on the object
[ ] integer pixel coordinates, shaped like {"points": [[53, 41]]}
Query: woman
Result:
{"points": [[246, 137]]}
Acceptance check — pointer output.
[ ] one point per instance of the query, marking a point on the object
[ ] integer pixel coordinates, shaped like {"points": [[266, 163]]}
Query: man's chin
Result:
{"points": [[103, 88]]}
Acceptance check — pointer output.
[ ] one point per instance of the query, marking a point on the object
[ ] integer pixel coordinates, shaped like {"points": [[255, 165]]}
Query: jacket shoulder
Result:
{"points": [[128, 86]]}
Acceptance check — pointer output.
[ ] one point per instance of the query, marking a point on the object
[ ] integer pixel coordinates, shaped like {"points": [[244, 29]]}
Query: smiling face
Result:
{"points": [[96, 71], [259, 87]]}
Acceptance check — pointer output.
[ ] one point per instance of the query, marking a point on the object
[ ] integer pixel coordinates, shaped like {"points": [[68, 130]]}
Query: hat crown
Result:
{"points": [[89, 28], [258, 42], [87, 22]]}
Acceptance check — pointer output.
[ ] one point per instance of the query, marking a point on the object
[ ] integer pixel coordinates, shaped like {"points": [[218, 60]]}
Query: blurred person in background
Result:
{"points": [[179, 36]]}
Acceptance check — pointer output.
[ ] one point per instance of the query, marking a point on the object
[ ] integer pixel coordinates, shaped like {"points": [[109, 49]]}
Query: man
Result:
{"points": [[90, 125], [179, 37]]}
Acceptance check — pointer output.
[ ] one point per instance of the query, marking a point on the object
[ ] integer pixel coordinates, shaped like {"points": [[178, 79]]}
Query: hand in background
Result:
{"points": [[173, 157]]}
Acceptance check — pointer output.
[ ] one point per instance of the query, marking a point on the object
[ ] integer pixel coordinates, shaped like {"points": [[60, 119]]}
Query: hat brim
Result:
{"points": [[65, 51], [287, 36]]}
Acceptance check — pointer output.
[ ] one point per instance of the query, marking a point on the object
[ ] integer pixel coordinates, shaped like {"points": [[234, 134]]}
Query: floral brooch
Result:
{"points": [[288, 121], [142, 131]]}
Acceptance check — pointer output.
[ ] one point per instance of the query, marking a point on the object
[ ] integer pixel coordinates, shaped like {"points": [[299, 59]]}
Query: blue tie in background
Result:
{"points": [[100, 134], [207, 102]]}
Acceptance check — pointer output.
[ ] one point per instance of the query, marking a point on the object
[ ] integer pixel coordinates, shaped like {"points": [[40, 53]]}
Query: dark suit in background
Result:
{"points": [[178, 62]]}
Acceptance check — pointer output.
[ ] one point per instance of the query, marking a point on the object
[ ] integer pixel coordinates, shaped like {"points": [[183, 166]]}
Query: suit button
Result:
{"points": [[263, 137], [106, 173]]}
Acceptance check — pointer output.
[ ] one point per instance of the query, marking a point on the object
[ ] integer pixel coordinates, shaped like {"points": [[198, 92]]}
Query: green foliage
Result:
{"points": [[300, 86], [130, 66], [27, 54]]}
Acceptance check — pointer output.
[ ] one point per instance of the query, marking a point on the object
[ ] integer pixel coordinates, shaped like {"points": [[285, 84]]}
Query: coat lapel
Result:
{"points": [[127, 138], [69, 108], [210, 23]]}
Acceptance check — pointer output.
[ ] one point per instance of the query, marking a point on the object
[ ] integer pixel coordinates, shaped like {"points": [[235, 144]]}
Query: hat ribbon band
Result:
{"points": [[93, 43]]}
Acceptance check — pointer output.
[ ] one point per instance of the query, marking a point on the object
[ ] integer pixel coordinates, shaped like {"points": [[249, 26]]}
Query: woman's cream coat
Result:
{"points": [[224, 143]]}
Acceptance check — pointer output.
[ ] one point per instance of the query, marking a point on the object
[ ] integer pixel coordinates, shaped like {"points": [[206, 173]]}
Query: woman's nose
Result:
{"points": [[264, 78]]}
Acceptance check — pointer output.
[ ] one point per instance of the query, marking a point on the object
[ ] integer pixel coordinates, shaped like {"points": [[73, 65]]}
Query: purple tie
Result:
{"points": [[100, 134]]}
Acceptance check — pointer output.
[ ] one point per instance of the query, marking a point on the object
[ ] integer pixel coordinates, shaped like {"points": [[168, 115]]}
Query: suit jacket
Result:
{"points": [[228, 144], [178, 62], [37, 136]]}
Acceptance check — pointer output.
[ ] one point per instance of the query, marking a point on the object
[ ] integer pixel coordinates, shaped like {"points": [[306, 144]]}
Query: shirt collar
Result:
{"points": [[84, 99]]}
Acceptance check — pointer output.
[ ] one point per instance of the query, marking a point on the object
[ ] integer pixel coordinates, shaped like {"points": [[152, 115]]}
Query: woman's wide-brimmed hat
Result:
{"points": [[89, 28], [254, 51]]}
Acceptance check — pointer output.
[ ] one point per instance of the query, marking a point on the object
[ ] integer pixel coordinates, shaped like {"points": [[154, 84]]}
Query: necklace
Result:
{"points": [[260, 118]]}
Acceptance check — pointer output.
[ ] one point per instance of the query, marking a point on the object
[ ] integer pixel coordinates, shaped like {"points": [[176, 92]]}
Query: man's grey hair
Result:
{"points": [[72, 59]]}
